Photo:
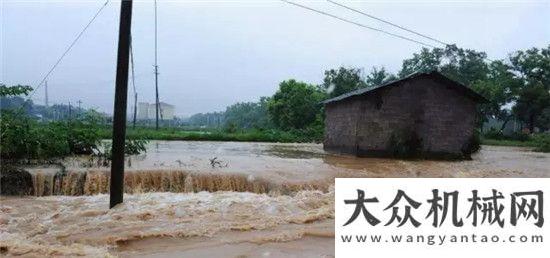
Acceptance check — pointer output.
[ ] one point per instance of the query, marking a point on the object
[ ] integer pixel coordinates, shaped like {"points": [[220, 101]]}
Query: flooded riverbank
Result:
{"points": [[266, 168], [262, 199], [283, 162]]}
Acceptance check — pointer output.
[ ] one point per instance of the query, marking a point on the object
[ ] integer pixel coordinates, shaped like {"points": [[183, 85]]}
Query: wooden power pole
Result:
{"points": [[121, 97]]}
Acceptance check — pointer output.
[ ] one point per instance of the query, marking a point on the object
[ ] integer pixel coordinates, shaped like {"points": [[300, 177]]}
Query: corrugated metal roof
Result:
{"points": [[464, 89]]}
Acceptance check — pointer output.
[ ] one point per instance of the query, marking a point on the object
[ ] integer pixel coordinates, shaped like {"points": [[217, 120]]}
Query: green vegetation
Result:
{"points": [[250, 135], [14, 90], [539, 142], [23, 137], [342, 80], [522, 81], [296, 105], [131, 147], [517, 87], [542, 142], [511, 143], [247, 115], [26, 138]]}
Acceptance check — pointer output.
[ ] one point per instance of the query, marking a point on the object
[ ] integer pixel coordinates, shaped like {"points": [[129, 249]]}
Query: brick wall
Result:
{"points": [[440, 115]]}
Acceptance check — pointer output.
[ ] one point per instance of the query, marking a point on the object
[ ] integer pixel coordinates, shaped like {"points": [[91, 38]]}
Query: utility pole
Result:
{"points": [[157, 105], [121, 95], [46, 92], [79, 110], [135, 109]]}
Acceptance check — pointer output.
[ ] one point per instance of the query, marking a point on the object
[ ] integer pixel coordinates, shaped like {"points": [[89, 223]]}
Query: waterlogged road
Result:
{"points": [[258, 200]]}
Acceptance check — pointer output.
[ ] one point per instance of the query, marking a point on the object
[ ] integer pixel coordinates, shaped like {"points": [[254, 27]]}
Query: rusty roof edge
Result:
{"points": [[467, 90]]}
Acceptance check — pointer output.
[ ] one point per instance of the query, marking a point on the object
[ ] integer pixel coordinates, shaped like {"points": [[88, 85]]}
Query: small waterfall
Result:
{"points": [[90, 182]]}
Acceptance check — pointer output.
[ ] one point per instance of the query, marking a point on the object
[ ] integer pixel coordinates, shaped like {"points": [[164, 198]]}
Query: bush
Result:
{"points": [[16, 137], [494, 134], [230, 128], [519, 136], [25, 138], [83, 133], [51, 140], [542, 142], [131, 147], [135, 146]]}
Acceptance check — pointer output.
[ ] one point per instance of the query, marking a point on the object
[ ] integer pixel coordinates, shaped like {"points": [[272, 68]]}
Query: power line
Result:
{"points": [[359, 24], [68, 49], [387, 22]]}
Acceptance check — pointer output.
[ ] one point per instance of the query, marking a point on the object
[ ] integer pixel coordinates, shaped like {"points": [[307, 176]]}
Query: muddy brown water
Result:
{"points": [[258, 200]]}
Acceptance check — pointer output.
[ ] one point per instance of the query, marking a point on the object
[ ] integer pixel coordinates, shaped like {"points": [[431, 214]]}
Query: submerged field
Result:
{"points": [[214, 199]]}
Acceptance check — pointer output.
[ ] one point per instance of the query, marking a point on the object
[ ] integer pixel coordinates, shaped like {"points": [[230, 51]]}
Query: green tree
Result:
{"points": [[342, 80], [379, 76], [498, 89], [295, 105], [248, 114], [16, 90], [463, 65], [532, 101], [425, 61], [533, 94]]}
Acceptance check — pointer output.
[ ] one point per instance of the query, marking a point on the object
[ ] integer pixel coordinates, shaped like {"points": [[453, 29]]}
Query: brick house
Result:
{"points": [[429, 111]]}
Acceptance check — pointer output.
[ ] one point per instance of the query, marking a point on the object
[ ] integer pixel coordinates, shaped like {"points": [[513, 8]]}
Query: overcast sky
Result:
{"points": [[215, 53]]}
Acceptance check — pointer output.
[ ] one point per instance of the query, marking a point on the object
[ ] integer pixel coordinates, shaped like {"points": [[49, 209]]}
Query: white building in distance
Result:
{"points": [[146, 111]]}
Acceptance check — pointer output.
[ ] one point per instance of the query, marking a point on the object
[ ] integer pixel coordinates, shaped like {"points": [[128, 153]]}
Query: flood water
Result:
{"points": [[305, 162], [252, 200]]}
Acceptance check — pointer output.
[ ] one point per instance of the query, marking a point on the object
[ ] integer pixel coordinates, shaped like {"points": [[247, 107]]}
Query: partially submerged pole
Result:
{"points": [[121, 95]]}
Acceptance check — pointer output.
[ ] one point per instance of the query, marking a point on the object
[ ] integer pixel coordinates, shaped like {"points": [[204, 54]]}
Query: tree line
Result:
{"points": [[516, 87]]}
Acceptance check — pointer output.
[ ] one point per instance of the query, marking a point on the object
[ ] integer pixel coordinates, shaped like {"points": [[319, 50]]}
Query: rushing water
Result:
{"points": [[60, 225], [266, 168], [256, 199]]}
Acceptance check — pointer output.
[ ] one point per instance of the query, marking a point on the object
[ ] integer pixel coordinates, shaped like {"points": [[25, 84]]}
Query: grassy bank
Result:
{"points": [[513, 143], [539, 142], [217, 135]]}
